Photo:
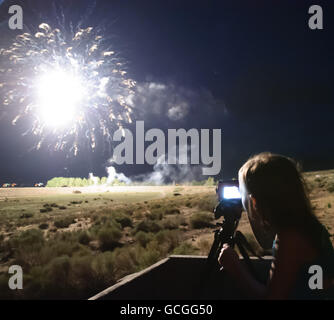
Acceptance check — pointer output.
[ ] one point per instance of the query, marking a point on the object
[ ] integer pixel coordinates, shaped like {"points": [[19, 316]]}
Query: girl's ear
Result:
{"points": [[253, 201]]}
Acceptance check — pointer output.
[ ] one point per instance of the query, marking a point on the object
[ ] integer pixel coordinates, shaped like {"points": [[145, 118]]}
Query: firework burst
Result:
{"points": [[72, 86]]}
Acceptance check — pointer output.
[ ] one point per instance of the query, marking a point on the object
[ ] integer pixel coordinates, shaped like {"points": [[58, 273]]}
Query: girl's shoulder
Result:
{"points": [[294, 241], [303, 247]]}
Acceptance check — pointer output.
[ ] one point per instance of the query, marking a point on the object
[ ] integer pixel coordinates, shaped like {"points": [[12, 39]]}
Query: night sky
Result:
{"points": [[252, 68]]}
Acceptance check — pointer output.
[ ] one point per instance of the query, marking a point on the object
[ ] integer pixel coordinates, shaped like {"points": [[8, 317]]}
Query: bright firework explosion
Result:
{"points": [[73, 87]]}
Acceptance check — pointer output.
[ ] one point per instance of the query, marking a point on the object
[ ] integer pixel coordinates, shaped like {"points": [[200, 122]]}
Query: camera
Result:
{"points": [[229, 197]]}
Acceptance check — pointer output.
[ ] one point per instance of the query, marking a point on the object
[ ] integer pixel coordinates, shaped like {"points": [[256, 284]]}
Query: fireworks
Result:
{"points": [[72, 86]]}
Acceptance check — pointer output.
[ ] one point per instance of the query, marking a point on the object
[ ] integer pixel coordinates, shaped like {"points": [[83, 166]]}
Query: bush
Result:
{"points": [[155, 214], [29, 238], [150, 255], [204, 246], [43, 226], [123, 220], [185, 249], [168, 239], [210, 182], [54, 205], [82, 276], [26, 215], [170, 223], [172, 211], [58, 269], [148, 226], [75, 202], [27, 247], [109, 237], [206, 203], [103, 266], [330, 187], [64, 222], [144, 238], [84, 238], [201, 220], [45, 209]]}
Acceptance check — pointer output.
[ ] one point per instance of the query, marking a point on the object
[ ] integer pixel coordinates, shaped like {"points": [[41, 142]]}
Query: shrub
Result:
{"points": [[123, 220], [5, 292], [144, 238], [210, 182], [109, 237], [170, 224], [172, 211], [26, 215], [155, 215], [64, 222], [29, 238], [204, 246], [104, 268], [43, 226], [125, 260], [150, 255], [201, 220], [148, 226], [27, 246], [58, 269], [82, 275], [76, 202], [155, 206], [168, 239], [207, 203], [185, 249], [84, 238], [330, 187], [65, 243]]}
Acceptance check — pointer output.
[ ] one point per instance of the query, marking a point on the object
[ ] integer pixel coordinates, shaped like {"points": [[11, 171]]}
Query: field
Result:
{"points": [[74, 242]]}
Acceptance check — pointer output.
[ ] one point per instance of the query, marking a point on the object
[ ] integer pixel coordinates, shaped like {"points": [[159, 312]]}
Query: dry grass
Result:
{"points": [[90, 240]]}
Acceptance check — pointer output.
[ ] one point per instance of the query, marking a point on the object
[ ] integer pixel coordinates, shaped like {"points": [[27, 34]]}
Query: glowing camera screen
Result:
{"points": [[231, 192]]}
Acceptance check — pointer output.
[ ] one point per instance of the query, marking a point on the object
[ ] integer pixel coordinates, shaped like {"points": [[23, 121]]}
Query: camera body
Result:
{"points": [[230, 204]]}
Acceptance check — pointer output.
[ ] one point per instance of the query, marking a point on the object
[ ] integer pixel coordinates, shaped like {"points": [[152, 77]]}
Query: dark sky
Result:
{"points": [[252, 68]]}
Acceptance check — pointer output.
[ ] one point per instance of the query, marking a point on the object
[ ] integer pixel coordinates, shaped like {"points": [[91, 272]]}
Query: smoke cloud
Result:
{"points": [[168, 100], [93, 178], [112, 175]]}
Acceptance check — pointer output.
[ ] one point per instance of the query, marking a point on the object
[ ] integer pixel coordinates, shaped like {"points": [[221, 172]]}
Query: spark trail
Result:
{"points": [[72, 86]]}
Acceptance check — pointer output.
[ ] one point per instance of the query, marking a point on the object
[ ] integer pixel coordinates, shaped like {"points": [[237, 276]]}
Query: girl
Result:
{"points": [[274, 196]]}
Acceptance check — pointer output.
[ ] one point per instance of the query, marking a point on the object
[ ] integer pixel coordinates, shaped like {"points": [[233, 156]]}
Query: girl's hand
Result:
{"points": [[229, 259]]}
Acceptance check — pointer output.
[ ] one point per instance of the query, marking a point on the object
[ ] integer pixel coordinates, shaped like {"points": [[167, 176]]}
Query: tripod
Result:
{"points": [[227, 233]]}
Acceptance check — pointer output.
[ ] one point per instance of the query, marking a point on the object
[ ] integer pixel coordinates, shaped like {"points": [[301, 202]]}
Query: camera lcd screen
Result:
{"points": [[231, 192]]}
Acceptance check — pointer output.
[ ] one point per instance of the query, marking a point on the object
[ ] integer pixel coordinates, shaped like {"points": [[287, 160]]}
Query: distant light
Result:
{"points": [[231, 192], [59, 93]]}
